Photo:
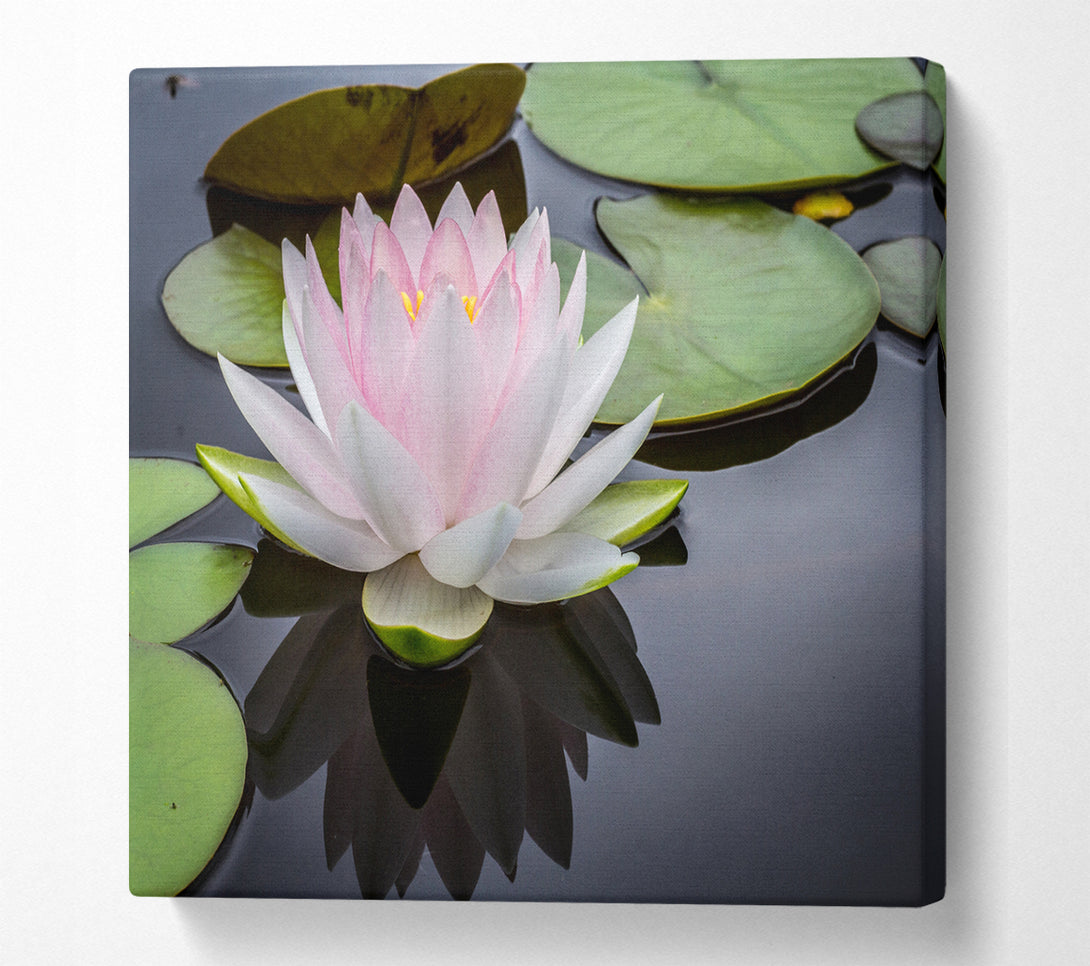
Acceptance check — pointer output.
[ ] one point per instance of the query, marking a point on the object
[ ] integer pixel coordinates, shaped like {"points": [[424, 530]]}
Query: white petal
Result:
{"points": [[594, 367], [299, 371], [295, 277], [421, 619], [463, 554], [555, 567], [581, 482], [395, 494], [348, 544], [294, 441]]}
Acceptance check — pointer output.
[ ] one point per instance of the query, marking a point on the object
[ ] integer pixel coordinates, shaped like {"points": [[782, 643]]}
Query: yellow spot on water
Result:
{"points": [[824, 205]]}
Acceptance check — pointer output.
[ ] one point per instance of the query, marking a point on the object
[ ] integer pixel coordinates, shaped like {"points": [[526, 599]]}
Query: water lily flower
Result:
{"points": [[445, 399]]}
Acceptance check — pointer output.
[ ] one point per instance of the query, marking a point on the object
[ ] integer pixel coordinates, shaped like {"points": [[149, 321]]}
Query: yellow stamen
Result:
{"points": [[470, 302], [409, 307]]}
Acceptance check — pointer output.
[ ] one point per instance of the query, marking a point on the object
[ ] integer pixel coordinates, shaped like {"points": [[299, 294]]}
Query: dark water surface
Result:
{"points": [[793, 635]]}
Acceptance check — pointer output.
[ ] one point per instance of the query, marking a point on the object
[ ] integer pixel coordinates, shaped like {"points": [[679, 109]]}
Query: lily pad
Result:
{"points": [[714, 125], [741, 304], [162, 492], [907, 271], [326, 146], [187, 764], [934, 79], [907, 127], [177, 588], [227, 296]]}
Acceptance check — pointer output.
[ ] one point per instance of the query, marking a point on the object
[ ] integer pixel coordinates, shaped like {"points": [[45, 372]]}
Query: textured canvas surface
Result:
{"points": [[753, 714]]}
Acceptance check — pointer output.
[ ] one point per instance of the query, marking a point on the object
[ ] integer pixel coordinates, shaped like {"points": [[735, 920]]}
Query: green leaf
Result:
{"points": [[934, 79], [177, 588], [327, 146], [714, 125], [187, 764], [745, 304], [907, 272], [906, 127], [423, 622], [162, 492], [623, 512], [227, 296]]}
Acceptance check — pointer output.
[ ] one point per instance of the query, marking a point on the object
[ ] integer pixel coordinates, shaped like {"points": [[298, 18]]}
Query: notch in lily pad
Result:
{"points": [[742, 305], [325, 147], [741, 125]]}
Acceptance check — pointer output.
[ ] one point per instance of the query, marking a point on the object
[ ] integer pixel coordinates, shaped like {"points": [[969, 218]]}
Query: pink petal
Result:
{"points": [[387, 256], [355, 267], [503, 465], [496, 328], [386, 350], [486, 238], [365, 219], [327, 362], [445, 403], [330, 312], [294, 441], [457, 208], [447, 254], [411, 226]]}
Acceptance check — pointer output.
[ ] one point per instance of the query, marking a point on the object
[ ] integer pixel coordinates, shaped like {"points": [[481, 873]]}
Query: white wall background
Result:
{"points": [[1019, 845]]}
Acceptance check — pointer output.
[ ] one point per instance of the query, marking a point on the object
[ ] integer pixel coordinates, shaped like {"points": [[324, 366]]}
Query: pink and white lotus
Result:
{"points": [[445, 399]]}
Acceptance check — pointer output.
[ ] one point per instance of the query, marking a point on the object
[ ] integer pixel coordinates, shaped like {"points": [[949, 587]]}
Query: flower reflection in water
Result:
{"points": [[461, 761]]}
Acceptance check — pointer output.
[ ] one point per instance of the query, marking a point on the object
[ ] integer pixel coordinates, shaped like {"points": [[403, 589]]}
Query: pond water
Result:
{"points": [[789, 625]]}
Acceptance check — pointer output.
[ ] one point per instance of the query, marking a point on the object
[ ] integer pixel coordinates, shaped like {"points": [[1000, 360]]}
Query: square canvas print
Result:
{"points": [[537, 482]]}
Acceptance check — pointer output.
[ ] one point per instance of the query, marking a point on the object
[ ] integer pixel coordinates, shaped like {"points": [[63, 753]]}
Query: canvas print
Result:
{"points": [[536, 482]]}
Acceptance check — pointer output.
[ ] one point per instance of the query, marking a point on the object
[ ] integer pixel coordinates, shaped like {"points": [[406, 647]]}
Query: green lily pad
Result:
{"points": [[745, 304], [907, 127], [622, 512], [940, 302], [714, 125], [227, 296], [327, 146], [162, 492], [907, 272], [187, 764], [934, 79], [177, 588]]}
